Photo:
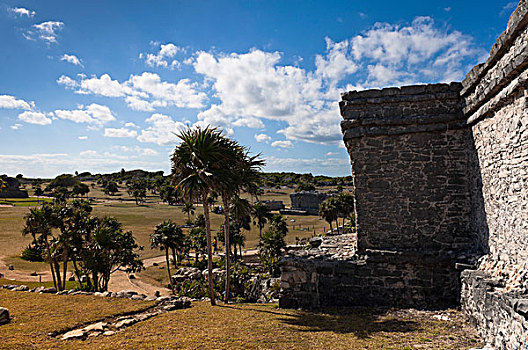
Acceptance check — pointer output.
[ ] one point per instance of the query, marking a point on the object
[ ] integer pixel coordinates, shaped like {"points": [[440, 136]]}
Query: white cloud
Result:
{"points": [[131, 125], [20, 11], [164, 58], [71, 59], [16, 126], [144, 92], [11, 102], [94, 114], [46, 31], [262, 138], [83, 137], [163, 130], [121, 132], [282, 144], [416, 53], [140, 151], [34, 118], [88, 153]]}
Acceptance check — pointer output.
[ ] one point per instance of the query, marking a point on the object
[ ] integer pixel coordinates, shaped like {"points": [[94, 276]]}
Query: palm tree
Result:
{"points": [[188, 208], [167, 235], [261, 213], [195, 164], [242, 174], [39, 222], [328, 211]]}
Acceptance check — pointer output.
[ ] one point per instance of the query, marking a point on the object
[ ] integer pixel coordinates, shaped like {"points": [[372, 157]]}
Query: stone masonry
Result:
{"points": [[441, 189]]}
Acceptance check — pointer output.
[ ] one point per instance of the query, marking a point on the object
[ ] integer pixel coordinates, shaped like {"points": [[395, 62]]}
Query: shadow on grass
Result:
{"points": [[362, 322]]}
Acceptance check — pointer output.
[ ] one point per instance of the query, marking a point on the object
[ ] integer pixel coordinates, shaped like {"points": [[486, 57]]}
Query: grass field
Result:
{"points": [[245, 326], [141, 220]]}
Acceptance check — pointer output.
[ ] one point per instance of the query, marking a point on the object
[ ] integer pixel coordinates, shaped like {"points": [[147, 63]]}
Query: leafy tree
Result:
{"points": [[111, 188], [169, 194], [329, 210], [345, 201], [272, 244], [305, 186], [106, 249], [80, 189], [39, 223], [199, 221], [167, 235], [137, 188], [262, 214], [188, 208], [198, 242], [38, 192]]}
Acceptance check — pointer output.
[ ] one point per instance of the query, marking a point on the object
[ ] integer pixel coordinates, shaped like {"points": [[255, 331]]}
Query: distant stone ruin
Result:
{"points": [[12, 189], [307, 202], [440, 175]]}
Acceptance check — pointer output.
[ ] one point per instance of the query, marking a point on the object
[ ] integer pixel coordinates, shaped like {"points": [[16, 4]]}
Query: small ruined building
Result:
{"points": [[307, 202], [274, 205], [12, 190], [441, 191]]}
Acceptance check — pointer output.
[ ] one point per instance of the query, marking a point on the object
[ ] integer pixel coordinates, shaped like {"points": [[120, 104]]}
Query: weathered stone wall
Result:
{"points": [[408, 150], [308, 201], [496, 106], [501, 317]]}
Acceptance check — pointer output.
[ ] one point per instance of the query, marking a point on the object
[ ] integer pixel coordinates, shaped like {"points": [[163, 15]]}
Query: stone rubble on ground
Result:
{"points": [[4, 316]]}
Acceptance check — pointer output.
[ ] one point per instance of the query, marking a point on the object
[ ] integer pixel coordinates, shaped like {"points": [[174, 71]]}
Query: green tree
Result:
{"points": [[272, 244], [167, 236], [262, 214], [198, 242], [188, 208], [39, 223], [111, 188], [329, 210], [305, 186], [80, 189], [169, 194], [137, 188]]}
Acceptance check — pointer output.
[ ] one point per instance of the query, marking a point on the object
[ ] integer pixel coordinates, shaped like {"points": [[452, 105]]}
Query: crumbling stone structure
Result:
{"points": [[11, 189], [441, 188], [307, 201]]}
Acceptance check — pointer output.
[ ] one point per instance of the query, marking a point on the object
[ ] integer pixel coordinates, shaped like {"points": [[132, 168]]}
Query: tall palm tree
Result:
{"points": [[195, 164], [242, 174]]}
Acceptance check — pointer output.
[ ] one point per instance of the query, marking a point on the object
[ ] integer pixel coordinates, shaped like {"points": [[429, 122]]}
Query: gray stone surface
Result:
{"points": [[4, 316], [307, 201]]}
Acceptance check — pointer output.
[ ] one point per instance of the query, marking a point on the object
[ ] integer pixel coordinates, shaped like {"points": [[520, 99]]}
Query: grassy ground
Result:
{"points": [[69, 284], [141, 220], [233, 327]]}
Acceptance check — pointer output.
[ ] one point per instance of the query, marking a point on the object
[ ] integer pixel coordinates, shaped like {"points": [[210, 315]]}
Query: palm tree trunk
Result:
{"points": [[209, 247], [174, 258], [57, 273], [337, 225], [64, 267], [168, 267], [225, 201], [331, 229], [51, 264]]}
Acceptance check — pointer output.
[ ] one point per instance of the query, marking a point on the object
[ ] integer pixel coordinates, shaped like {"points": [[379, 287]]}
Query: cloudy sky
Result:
{"points": [[103, 85]]}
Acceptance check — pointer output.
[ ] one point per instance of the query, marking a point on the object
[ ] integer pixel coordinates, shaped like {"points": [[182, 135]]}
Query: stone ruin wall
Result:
{"points": [[496, 106], [441, 178]]}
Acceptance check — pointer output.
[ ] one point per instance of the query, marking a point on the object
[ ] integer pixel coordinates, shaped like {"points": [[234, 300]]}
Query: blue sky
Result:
{"points": [[103, 85]]}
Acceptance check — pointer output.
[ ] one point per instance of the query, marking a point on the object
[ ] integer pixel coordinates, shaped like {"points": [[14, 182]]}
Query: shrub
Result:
{"points": [[33, 253]]}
